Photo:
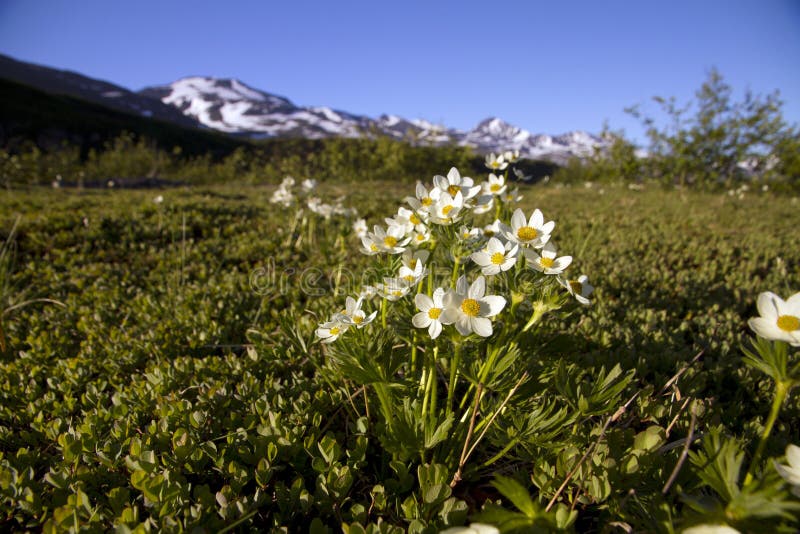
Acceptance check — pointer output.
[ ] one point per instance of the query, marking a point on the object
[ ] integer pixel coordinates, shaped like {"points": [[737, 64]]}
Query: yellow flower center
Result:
{"points": [[495, 164], [373, 247], [526, 233], [788, 323], [546, 262], [426, 201], [389, 241], [414, 219], [495, 188], [447, 209], [334, 331], [420, 237], [453, 189], [434, 313], [498, 258], [357, 319], [412, 263], [408, 278], [470, 307], [397, 293]]}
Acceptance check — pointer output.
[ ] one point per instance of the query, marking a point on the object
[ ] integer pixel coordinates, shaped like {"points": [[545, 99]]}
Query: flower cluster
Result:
{"points": [[779, 320], [434, 237], [286, 197]]}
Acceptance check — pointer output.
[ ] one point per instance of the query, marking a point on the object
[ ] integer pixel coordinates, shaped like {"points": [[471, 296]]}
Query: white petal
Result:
{"points": [[454, 177], [766, 328], [790, 475], [491, 269], [494, 305], [793, 304], [793, 456], [461, 285], [767, 306], [438, 294], [421, 320], [463, 326], [537, 219], [423, 302], [482, 326], [481, 528], [449, 316], [441, 182], [562, 263], [477, 289], [548, 228], [481, 258], [435, 329], [518, 219]]}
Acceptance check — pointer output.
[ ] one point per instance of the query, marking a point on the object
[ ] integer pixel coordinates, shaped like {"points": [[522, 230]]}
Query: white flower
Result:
{"points": [[469, 308], [779, 320], [710, 529], [393, 289], [465, 233], [483, 204], [580, 288], [424, 200], [447, 208], [496, 185], [791, 472], [474, 528], [454, 183], [430, 312], [496, 229], [354, 315], [287, 182], [159, 199], [367, 292], [420, 235], [392, 240], [308, 185], [330, 331], [523, 178], [370, 245], [406, 219], [533, 232], [547, 263], [496, 163], [496, 257], [360, 227], [412, 276], [511, 196], [511, 156], [411, 258], [282, 196]]}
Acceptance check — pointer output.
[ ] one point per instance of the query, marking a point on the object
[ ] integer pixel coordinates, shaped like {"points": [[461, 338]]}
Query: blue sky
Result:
{"points": [[548, 67]]}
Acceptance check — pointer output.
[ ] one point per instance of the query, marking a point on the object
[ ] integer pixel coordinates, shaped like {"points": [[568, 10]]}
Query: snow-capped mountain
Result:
{"points": [[228, 105]]}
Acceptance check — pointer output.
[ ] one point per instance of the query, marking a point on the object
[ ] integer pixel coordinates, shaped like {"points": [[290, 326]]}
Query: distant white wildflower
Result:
{"points": [[455, 183], [159, 199], [447, 208], [360, 227], [469, 308], [496, 229], [474, 528], [710, 529], [482, 204], [496, 257], [308, 185], [330, 331], [522, 177], [779, 320], [496, 163], [511, 156], [392, 240], [424, 200], [430, 312], [547, 262], [580, 288], [496, 185], [511, 196], [354, 315], [791, 472], [468, 234], [393, 288], [532, 232], [411, 258], [412, 276]]}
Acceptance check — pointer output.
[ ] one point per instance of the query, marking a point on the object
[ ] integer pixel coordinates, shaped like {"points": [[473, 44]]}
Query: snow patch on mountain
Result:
{"points": [[231, 106]]}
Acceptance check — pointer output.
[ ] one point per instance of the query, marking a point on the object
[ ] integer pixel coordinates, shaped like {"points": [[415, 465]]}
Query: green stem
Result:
{"points": [[454, 276], [433, 381], [454, 364], [383, 313], [502, 453], [781, 390], [384, 399], [413, 351]]}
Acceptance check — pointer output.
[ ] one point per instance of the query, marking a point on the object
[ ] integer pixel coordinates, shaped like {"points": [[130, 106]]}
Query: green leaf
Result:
{"points": [[517, 494]]}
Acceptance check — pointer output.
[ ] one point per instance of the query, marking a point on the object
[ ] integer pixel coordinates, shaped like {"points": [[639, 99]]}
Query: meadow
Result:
{"points": [[160, 369]]}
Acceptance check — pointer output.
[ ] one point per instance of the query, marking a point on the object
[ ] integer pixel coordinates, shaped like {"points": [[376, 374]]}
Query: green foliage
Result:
{"points": [[716, 140], [179, 388]]}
